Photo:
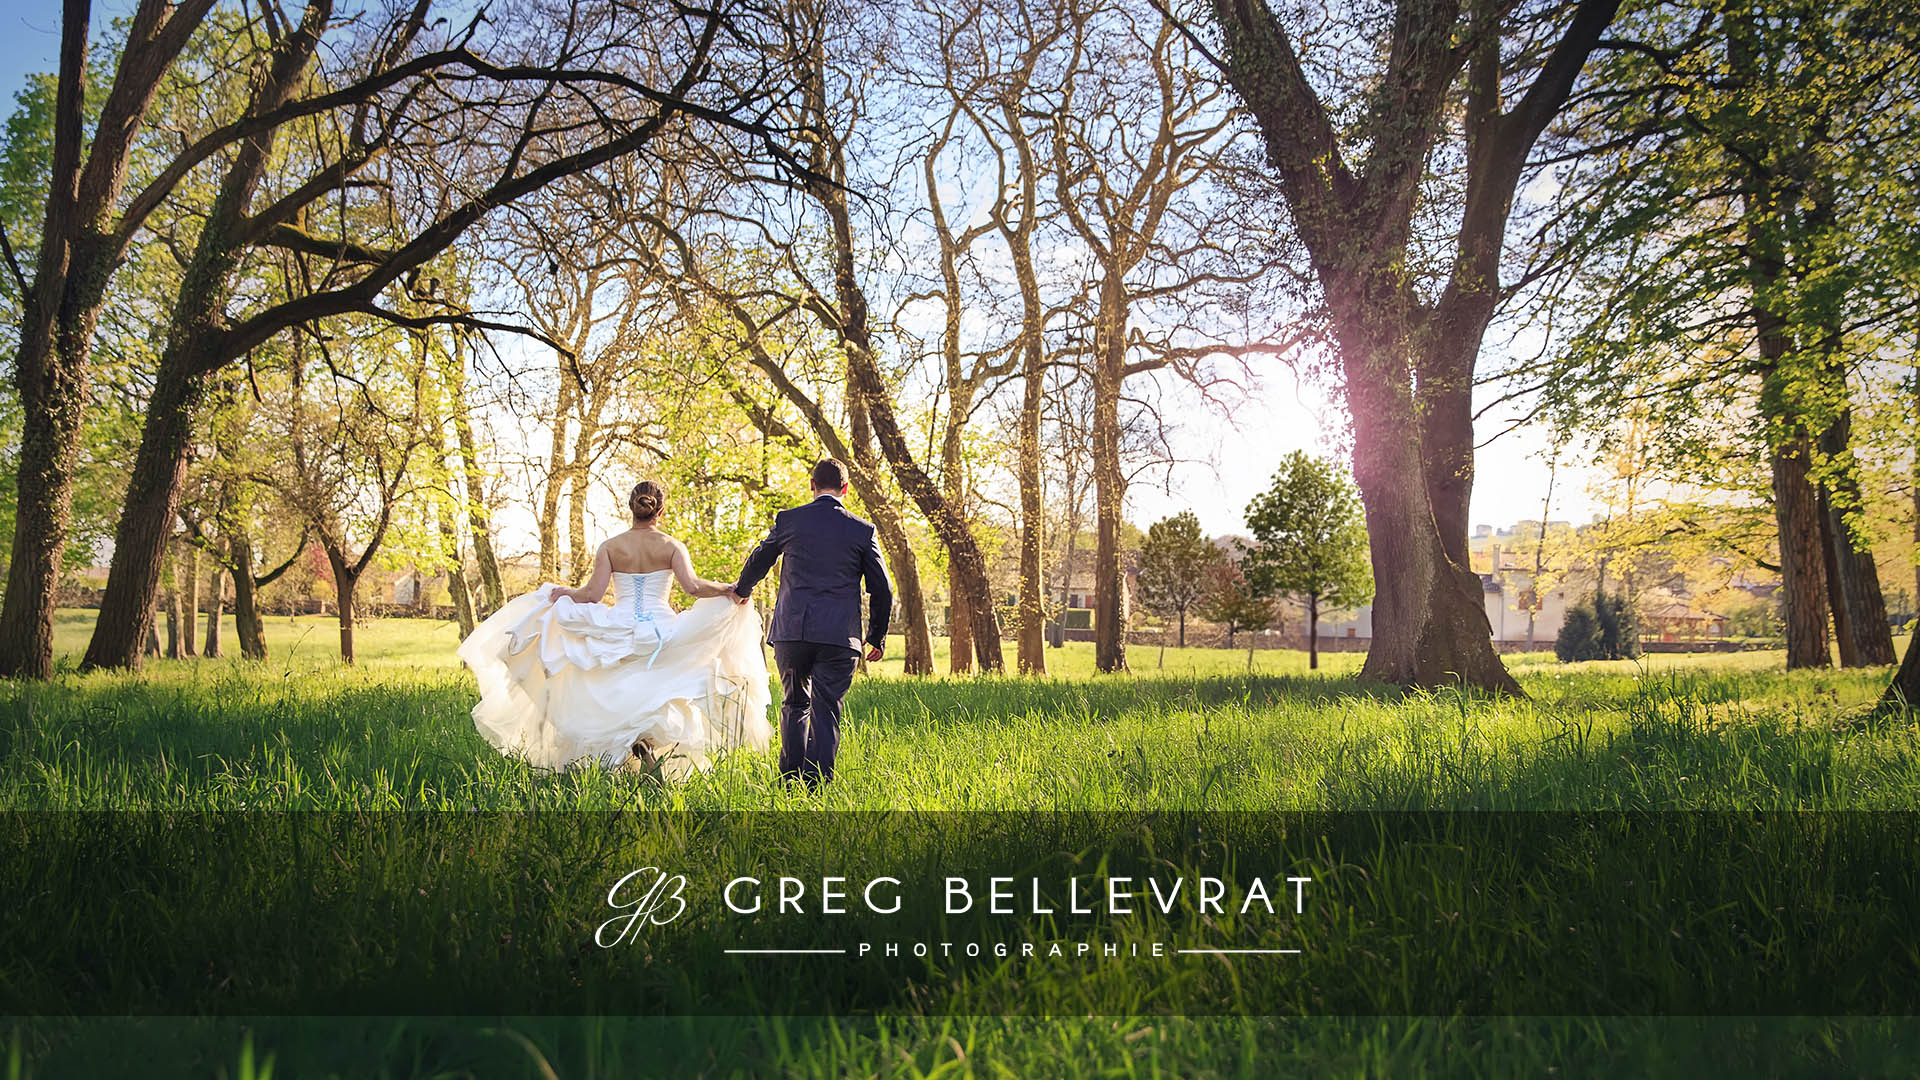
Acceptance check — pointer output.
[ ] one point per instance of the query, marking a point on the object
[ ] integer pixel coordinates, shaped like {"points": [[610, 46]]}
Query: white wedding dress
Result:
{"points": [[564, 682]]}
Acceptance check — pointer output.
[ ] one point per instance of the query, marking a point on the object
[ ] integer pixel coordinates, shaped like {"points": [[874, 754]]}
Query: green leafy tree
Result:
{"points": [[1230, 600], [1310, 542], [1175, 561], [1745, 257]]}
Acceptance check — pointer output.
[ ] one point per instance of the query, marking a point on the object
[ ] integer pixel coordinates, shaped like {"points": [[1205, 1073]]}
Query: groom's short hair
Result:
{"points": [[829, 475]]}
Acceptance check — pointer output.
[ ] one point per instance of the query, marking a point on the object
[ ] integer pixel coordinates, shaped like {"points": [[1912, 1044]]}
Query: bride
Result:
{"points": [[564, 678]]}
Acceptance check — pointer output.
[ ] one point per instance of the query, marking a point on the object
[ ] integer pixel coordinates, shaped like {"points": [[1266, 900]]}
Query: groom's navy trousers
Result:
{"points": [[814, 679], [825, 555]]}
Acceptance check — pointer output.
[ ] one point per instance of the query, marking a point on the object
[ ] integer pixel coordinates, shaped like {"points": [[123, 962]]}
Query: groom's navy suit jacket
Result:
{"points": [[828, 552]]}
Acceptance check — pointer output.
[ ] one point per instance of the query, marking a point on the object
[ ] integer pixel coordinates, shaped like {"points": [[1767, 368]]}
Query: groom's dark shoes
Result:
{"points": [[826, 554]]}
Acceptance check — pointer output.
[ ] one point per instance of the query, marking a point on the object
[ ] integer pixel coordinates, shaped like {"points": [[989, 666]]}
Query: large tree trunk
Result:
{"points": [[247, 622], [51, 373], [1109, 484], [126, 606], [199, 313], [49, 447], [1796, 512], [959, 623], [1430, 624], [1853, 577], [1033, 611], [493, 593], [216, 605], [1796, 501], [78, 253], [344, 583], [1412, 431]]}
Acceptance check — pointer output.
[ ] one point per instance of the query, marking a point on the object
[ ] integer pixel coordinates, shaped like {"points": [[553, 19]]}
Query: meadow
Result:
{"points": [[1201, 733]]}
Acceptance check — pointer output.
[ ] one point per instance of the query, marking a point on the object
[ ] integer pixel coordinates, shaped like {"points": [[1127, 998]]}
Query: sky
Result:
{"points": [[1232, 460], [29, 41], [1224, 462]]}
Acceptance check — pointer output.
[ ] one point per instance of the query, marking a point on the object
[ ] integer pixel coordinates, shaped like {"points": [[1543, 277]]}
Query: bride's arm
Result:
{"points": [[693, 585], [596, 586]]}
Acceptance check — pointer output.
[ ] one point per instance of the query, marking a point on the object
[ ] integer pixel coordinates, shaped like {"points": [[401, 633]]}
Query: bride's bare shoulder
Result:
{"points": [[641, 551]]}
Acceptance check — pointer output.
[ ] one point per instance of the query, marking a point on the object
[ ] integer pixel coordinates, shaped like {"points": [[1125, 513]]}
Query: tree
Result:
{"points": [[1600, 627], [1140, 175], [1742, 250], [963, 377], [1011, 41], [1176, 562], [374, 194], [352, 446], [1365, 199], [1310, 543], [83, 236], [570, 266], [744, 334], [844, 309], [226, 513], [774, 254], [1230, 600]]}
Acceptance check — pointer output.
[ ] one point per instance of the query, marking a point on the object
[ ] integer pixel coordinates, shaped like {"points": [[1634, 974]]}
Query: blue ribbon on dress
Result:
{"points": [[659, 635]]}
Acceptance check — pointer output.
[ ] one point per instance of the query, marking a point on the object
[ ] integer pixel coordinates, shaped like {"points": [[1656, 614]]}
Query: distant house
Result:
{"points": [[1677, 620], [1078, 613], [412, 587], [1520, 612]]}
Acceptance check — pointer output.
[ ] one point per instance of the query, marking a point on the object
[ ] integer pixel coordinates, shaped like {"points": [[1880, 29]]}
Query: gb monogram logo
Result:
{"points": [[655, 904]]}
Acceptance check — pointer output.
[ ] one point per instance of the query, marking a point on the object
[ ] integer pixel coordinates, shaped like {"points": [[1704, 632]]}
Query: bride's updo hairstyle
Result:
{"points": [[647, 500]]}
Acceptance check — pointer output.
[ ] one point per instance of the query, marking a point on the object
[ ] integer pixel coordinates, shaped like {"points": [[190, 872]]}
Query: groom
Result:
{"points": [[815, 630]]}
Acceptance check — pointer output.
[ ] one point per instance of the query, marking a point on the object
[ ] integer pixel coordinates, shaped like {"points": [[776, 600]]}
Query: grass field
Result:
{"points": [[1731, 732]]}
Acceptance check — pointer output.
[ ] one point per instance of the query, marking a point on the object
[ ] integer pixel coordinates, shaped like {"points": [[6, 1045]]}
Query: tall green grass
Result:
{"points": [[301, 732]]}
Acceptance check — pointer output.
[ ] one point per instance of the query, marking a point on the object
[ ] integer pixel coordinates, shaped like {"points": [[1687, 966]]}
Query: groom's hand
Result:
{"points": [[875, 652], [736, 595]]}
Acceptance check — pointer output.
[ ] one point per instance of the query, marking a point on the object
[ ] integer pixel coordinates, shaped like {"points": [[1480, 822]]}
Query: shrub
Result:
{"points": [[1603, 627]]}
